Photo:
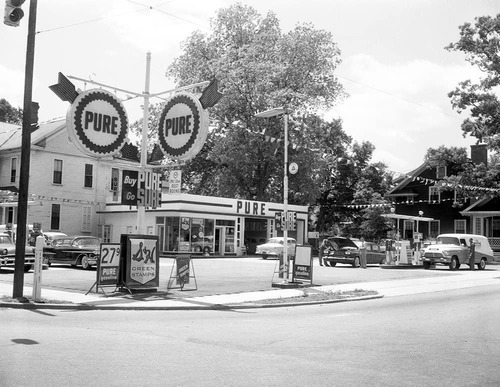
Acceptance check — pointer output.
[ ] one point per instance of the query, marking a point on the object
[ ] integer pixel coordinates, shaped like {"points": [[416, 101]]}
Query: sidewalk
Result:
{"points": [[167, 301]]}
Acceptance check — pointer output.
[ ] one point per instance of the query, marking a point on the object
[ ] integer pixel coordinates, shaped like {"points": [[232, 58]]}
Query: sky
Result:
{"points": [[394, 65]]}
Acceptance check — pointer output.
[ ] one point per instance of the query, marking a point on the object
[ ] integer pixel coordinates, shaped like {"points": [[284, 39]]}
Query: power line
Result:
{"points": [[399, 97], [144, 9]]}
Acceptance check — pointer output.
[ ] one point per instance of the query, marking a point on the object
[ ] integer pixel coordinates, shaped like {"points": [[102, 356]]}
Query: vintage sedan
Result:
{"points": [[274, 247], [348, 251], [8, 253], [75, 251]]}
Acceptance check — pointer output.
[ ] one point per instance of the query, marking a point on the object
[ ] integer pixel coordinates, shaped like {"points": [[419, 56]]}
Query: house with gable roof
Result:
{"points": [[67, 188], [420, 194]]}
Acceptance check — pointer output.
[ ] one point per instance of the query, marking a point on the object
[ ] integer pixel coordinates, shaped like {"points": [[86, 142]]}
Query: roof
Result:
{"points": [[408, 178], [487, 206], [11, 135]]}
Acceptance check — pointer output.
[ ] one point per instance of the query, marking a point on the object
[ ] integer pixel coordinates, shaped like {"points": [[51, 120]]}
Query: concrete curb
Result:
{"points": [[247, 305]]}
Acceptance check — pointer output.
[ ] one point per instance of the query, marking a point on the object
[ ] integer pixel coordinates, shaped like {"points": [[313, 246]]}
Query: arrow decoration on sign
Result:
{"points": [[210, 95], [64, 89]]}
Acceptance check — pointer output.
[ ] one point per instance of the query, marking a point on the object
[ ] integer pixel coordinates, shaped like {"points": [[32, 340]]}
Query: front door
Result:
{"points": [[224, 240]]}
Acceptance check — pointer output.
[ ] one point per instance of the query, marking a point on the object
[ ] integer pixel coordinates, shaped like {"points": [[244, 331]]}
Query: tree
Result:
{"points": [[480, 43], [10, 114], [258, 68], [466, 178]]}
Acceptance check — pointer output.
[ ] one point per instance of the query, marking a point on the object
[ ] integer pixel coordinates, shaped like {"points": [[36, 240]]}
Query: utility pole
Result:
{"points": [[22, 209]]}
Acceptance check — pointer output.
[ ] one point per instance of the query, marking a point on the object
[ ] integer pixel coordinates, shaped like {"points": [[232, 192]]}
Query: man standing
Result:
{"points": [[472, 253], [325, 244]]}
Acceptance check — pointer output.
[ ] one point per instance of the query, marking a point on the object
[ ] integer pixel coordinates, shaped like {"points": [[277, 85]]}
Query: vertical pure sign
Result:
{"points": [[97, 123], [109, 264], [141, 189]]}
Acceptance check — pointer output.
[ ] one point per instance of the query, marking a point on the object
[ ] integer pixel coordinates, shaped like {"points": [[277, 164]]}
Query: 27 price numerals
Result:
{"points": [[109, 254]]}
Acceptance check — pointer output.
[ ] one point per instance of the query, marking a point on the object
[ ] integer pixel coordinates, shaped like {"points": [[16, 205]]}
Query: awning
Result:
{"points": [[407, 217]]}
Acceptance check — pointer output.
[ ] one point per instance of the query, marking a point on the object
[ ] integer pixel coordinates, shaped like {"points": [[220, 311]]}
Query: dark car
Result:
{"points": [[74, 251], [345, 250]]}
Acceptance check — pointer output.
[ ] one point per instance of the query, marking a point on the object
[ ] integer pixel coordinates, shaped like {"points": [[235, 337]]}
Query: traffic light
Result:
{"points": [[13, 12]]}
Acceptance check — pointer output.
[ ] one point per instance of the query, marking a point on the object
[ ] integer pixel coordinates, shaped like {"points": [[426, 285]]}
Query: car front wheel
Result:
{"points": [[356, 262], [427, 265], [264, 256], [85, 263], [482, 264], [454, 264]]}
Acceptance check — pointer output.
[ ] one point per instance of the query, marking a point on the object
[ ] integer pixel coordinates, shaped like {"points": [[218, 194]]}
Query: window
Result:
{"points": [[460, 225], [13, 169], [55, 217], [106, 233], [89, 176], [434, 195], [434, 228], [86, 218], [441, 171], [479, 226], [58, 167]]}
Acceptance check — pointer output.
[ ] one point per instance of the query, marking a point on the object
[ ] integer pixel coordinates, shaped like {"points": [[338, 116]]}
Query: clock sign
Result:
{"points": [[97, 123]]}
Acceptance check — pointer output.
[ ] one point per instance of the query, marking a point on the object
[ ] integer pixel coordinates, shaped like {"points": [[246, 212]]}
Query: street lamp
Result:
{"points": [[268, 114]]}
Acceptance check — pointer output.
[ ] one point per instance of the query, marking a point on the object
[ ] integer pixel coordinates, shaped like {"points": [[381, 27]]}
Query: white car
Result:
{"points": [[274, 247]]}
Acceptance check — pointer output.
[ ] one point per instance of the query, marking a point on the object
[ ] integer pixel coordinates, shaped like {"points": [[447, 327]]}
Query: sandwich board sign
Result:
{"points": [[141, 264]]}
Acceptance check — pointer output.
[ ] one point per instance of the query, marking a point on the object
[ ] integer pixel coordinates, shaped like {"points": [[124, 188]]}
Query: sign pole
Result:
{"points": [[141, 210], [22, 209], [285, 198]]}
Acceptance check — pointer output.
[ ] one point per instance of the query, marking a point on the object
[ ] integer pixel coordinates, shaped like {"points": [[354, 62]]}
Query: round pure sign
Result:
{"points": [[293, 168], [183, 127], [97, 123]]}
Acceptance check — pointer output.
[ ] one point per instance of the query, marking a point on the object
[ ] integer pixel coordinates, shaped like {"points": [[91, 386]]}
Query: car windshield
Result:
{"points": [[281, 240], [448, 241], [87, 242], [5, 239]]}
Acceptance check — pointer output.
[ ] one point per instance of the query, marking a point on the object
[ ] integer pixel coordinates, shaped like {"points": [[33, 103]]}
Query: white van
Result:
{"points": [[454, 250]]}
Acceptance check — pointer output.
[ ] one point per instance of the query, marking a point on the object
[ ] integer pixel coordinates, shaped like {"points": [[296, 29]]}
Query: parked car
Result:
{"points": [[51, 235], [8, 253], [274, 247], [202, 245], [348, 251], [454, 249], [74, 251]]}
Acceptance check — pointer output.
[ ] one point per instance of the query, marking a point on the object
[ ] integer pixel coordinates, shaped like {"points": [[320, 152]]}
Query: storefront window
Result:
{"points": [[202, 235], [186, 234]]}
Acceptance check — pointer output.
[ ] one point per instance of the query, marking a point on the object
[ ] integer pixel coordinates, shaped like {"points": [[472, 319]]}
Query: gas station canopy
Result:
{"points": [[407, 217]]}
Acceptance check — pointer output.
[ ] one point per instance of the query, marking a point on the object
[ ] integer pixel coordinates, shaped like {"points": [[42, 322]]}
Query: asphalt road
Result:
{"points": [[230, 275], [435, 339]]}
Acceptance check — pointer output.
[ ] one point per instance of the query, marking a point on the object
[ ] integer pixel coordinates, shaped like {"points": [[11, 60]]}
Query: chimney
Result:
{"points": [[479, 154]]}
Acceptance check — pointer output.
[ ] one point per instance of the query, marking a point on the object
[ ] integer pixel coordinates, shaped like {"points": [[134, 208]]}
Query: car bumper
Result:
{"points": [[348, 260], [10, 261], [438, 260]]}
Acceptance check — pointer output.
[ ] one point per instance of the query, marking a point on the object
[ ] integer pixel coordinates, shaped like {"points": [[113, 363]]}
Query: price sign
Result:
{"points": [[109, 264]]}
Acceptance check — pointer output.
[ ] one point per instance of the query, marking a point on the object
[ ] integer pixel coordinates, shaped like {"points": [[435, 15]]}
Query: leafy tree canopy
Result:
{"points": [[259, 67], [10, 114], [480, 43]]}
